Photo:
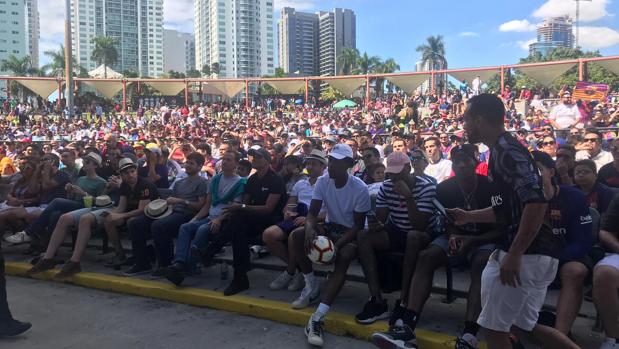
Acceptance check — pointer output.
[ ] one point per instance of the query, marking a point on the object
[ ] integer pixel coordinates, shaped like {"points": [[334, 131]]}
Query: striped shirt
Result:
{"points": [[423, 194]]}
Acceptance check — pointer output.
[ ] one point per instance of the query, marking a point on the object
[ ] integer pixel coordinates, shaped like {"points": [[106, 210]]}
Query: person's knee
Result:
{"points": [[428, 259], [604, 277], [479, 263], [573, 274], [415, 240]]}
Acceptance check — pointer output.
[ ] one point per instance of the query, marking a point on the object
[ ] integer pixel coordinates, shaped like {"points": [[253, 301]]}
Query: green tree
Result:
{"points": [[57, 65], [17, 66], [433, 54], [193, 73], [105, 51], [331, 94], [386, 67], [347, 60], [367, 64], [206, 70], [215, 68], [172, 74]]}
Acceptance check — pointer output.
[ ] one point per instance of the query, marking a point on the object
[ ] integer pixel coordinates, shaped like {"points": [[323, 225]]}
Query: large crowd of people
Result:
{"points": [[507, 185]]}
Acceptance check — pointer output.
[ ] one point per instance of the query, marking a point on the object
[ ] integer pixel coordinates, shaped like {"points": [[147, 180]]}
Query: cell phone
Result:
{"points": [[442, 211]]}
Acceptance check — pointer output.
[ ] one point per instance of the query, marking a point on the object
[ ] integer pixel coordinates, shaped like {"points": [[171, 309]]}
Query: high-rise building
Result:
{"points": [[298, 42], [32, 15], [179, 51], [13, 29], [236, 34], [337, 30], [420, 66], [136, 24], [552, 33]]}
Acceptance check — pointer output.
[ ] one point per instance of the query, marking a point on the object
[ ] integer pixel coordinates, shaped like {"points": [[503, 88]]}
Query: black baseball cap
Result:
{"points": [[464, 149]]}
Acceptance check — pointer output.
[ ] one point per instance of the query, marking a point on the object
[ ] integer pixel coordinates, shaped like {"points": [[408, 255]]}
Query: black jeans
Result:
{"points": [[242, 228], [5, 313]]}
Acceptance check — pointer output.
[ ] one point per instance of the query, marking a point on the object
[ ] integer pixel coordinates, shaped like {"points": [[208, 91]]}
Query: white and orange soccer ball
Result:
{"points": [[322, 251]]}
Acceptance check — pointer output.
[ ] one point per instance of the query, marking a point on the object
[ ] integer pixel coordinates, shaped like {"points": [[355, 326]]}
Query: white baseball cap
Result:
{"points": [[341, 151]]}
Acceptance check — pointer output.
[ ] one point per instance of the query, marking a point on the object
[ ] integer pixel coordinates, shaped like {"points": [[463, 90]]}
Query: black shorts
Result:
{"points": [[397, 238]]}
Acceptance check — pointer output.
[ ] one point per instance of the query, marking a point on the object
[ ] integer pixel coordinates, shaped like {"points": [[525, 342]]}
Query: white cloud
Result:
{"points": [[525, 44], [178, 15], [594, 38], [52, 28], [589, 11], [470, 34], [517, 26]]}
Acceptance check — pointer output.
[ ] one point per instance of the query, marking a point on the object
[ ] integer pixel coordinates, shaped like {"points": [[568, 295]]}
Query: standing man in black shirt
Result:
{"points": [[263, 202], [514, 282]]}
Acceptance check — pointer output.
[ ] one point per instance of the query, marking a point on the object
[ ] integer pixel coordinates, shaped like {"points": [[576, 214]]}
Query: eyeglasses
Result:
{"points": [[590, 140], [415, 158], [549, 143]]}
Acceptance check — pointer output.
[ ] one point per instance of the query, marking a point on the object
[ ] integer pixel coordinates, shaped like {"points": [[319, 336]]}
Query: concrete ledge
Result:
{"points": [[336, 323]]}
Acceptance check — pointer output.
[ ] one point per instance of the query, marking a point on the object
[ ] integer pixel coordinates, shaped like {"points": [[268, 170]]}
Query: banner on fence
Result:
{"points": [[588, 91]]}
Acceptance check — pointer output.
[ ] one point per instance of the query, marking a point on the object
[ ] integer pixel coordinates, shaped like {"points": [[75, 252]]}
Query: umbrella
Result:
{"points": [[298, 101], [344, 104]]}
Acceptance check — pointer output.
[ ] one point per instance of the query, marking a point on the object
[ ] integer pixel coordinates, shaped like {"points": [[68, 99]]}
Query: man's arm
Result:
{"points": [[205, 208], [609, 241], [268, 207]]}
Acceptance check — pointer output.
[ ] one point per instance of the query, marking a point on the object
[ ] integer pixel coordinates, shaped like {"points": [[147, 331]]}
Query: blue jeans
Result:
{"points": [[192, 235], [50, 216]]}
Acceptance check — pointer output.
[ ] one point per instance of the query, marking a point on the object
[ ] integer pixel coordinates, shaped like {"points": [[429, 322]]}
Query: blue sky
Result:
{"points": [[476, 32]]}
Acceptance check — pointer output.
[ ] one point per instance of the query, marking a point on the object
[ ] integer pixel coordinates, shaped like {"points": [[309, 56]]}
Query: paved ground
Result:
{"points": [[66, 316]]}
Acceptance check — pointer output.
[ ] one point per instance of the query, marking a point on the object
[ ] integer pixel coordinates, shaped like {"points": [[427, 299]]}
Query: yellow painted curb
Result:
{"points": [[336, 323]]}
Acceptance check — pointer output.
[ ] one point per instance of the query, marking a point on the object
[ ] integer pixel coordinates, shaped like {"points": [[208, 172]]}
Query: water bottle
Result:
{"points": [[223, 271]]}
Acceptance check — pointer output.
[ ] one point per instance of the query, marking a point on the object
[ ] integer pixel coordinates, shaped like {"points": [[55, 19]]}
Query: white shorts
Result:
{"points": [[611, 260], [504, 306]]}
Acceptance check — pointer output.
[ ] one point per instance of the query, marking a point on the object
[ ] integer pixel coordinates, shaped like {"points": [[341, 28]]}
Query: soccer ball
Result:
{"points": [[322, 251]]}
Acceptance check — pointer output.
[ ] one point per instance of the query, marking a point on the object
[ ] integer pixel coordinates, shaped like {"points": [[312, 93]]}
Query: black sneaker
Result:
{"points": [[13, 328], [238, 284], [136, 270], [400, 336], [373, 311], [157, 274], [397, 313], [174, 275]]}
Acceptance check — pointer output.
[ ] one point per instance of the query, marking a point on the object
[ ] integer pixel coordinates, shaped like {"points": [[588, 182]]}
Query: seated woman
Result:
{"points": [[296, 209], [598, 195], [23, 197]]}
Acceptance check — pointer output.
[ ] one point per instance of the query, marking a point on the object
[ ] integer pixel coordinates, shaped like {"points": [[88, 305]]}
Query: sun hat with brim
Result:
{"points": [[317, 155], [341, 151], [396, 162], [125, 163], [157, 209], [153, 148], [103, 201], [96, 158]]}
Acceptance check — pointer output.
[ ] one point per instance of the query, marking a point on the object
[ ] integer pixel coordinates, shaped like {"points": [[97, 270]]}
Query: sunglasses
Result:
{"points": [[590, 140], [414, 158], [549, 143]]}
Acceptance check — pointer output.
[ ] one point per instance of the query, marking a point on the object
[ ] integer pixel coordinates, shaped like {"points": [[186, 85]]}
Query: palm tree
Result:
{"points": [[206, 70], [57, 64], [347, 60], [105, 51], [387, 67], [215, 68], [433, 53], [367, 64], [18, 66]]}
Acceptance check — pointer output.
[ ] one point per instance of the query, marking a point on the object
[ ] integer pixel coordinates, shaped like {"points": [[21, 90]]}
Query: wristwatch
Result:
{"points": [[186, 202]]}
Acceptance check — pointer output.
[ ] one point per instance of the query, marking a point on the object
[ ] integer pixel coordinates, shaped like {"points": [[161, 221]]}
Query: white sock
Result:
{"points": [[321, 311]]}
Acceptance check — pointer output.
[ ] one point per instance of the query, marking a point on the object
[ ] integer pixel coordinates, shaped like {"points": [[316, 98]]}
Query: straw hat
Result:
{"points": [[103, 201], [157, 209]]}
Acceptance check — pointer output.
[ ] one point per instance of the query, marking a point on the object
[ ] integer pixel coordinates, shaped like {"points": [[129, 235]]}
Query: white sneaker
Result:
{"points": [[297, 282], [281, 281], [18, 238], [309, 295], [610, 343], [313, 331]]}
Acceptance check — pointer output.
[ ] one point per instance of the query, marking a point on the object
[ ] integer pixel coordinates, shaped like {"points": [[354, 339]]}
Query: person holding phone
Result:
{"points": [[469, 245]]}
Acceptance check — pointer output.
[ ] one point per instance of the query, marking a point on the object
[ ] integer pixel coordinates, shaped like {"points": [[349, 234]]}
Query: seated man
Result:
{"points": [[276, 236], [606, 276], [263, 201], [135, 194], [188, 196], [225, 189], [347, 201], [569, 216], [469, 245], [404, 205]]}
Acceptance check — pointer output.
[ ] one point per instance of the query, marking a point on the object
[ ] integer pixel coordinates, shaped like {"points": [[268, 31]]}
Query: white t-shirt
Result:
{"points": [[441, 170], [304, 191], [565, 116], [600, 160], [341, 203]]}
